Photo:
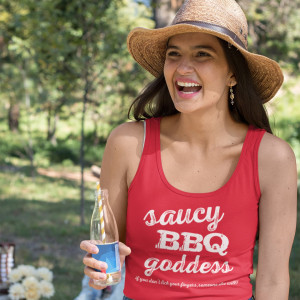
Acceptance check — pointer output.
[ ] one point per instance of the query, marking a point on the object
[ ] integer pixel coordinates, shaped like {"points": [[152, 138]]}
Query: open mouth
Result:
{"points": [[188, 87]]}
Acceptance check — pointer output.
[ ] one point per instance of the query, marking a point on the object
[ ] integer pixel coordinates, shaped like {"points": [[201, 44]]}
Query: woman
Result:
{"points": [[195, 184]]}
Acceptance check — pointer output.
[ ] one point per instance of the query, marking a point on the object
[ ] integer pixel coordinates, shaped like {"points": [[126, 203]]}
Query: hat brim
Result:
{"points": [[148, 48]]}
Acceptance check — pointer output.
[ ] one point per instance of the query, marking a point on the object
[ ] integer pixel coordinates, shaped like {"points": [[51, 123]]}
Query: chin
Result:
{"points": [[186, 110]]}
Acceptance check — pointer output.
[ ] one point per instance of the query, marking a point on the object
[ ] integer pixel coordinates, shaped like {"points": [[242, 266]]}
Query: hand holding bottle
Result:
{"points": [[103, 247], [91, 263]]}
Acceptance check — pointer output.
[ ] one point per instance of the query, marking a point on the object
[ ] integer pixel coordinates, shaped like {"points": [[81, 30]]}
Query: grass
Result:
{"points": [[41, 216]]}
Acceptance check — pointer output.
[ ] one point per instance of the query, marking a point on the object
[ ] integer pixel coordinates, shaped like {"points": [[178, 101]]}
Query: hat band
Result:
{"points": [[216, 28]]}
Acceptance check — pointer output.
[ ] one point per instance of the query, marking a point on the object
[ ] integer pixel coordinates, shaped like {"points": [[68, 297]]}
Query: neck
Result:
{"points": [[207, 129]]}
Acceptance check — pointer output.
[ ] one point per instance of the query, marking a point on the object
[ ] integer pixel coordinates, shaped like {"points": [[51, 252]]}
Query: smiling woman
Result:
{"points": [[204, 66], [195, 183]]}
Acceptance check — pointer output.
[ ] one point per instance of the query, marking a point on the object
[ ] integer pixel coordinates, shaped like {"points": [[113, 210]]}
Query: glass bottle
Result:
{"points": [[104, 234]]}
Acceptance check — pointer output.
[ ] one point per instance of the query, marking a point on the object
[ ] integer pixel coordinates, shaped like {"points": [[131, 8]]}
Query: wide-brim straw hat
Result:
{"points": [[222, 18]]}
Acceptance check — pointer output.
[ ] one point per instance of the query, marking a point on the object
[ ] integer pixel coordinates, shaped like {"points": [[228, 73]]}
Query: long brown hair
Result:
{"points": [[155, 100]]}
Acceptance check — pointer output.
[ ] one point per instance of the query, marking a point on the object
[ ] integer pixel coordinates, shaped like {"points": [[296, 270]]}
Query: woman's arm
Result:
{"points": [[119, 164], [114, 176], [277, 217]]}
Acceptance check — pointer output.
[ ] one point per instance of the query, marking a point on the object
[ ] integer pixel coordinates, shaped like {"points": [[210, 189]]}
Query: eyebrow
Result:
{"points": [[193, 47]]}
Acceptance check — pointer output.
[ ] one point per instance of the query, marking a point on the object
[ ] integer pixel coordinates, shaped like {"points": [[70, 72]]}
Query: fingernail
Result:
{"points": [[103, 271], [102, 276]]}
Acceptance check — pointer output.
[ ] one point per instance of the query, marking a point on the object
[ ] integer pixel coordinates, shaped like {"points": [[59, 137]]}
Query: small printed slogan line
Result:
{"points": [[183, 284]]}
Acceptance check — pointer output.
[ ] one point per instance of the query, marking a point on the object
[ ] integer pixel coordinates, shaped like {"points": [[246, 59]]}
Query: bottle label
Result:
{"points": [[109, 253]]}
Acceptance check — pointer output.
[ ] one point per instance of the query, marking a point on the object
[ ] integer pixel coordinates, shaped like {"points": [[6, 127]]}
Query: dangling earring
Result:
{"points": [[231, 95]]}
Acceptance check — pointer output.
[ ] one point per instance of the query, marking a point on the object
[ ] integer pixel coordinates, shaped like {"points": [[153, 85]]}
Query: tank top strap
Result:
{"points": [[151, 134], [253, 139], [251, 145]]}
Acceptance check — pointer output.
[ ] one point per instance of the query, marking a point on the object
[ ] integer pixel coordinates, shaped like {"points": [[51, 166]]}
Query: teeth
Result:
{"points": [[187, 84]]}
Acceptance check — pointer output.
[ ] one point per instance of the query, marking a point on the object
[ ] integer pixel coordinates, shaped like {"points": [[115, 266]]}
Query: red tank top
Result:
{"points": [[191, 245]]}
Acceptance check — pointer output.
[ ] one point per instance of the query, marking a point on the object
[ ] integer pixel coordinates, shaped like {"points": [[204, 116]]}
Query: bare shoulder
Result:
{"points": [[127, 130], [273, 149], [276, 160], [126, 136], [123, 151]]}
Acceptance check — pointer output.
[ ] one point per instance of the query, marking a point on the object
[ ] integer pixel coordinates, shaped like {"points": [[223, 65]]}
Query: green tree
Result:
{"points": [[274, 29], [59, 53]]}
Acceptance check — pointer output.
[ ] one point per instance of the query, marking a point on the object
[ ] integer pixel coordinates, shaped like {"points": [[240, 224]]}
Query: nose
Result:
{"points": [[185, 66]]}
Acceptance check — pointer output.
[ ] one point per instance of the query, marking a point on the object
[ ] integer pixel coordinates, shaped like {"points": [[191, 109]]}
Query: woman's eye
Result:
{"points": [[172, 53], [201, 54]]}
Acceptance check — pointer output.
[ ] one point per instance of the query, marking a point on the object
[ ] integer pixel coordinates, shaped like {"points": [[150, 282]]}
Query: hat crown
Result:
{"points": [[224, 13]]}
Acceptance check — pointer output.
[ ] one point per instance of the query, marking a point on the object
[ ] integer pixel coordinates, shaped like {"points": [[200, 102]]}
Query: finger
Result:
{"points": [[123, 249], [94, 263], [89, 247], [95, 274], [95, 285]]}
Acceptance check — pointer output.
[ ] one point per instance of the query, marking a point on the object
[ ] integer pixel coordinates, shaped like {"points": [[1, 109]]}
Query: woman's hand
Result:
{"points": [[91, 263]]}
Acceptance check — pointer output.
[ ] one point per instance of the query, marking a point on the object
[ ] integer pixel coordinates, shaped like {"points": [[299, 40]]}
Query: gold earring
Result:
{"points": [[231, 95]]}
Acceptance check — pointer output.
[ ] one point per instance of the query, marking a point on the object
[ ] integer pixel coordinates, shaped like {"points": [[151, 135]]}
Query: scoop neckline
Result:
{"points": [[204, 194]]}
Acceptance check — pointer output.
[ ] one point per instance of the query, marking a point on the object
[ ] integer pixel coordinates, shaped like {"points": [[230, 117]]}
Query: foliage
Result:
{"points": [[64, 52], [274, 29], [66, 151], [59, 44], [285, 114]]}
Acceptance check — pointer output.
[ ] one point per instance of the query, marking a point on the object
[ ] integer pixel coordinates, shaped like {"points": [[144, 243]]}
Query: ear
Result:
{"points": [[231, 80]]}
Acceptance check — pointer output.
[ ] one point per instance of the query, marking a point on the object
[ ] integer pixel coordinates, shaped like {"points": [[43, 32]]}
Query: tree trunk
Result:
{"points": [[95, 120], [29, 147], [52, 120], [13, 117], [85, 99], [96, 139], [49, 117]]}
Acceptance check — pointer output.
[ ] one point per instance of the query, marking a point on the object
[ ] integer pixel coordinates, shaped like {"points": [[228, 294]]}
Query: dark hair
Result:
{"points": [[155, 100]]}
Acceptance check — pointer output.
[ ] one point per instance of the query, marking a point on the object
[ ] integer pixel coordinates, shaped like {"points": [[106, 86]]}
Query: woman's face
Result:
{"points": [[196, 72]]}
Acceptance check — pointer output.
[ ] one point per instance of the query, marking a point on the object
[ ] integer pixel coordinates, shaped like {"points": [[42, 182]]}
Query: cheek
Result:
{"points": [[168, 73], [167, 68], [207, 70], [215, 76]]}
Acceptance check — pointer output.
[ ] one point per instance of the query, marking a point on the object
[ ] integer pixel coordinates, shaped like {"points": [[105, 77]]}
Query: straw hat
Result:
{"points": [[221, 18]]}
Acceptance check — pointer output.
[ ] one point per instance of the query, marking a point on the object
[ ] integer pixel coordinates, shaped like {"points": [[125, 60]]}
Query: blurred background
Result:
{"points": [[66, 80]]}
